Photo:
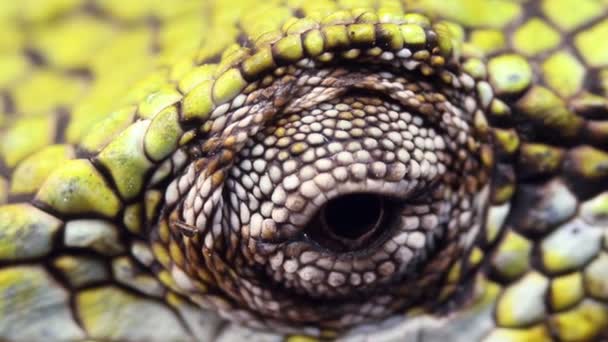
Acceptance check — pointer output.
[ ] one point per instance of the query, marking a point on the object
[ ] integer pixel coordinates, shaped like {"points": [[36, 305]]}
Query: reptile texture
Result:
{"points": [[416, 170]]}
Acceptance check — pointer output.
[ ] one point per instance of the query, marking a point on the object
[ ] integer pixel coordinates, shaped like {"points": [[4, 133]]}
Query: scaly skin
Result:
{"points": [[166, 167]]}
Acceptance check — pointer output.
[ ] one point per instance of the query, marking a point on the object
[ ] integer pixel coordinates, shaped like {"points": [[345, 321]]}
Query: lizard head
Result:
{"points": [[301, 169]]}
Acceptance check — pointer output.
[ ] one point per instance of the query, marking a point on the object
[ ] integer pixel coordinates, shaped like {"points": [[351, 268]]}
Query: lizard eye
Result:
{"points": [[324, 195]]}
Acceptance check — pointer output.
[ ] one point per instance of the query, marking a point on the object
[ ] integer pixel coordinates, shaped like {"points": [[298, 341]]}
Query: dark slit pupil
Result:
{"points": [[351, 216]]}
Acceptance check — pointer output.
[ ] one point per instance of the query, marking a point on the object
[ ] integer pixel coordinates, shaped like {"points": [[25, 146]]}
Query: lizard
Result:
{"points": [[291, 170]]}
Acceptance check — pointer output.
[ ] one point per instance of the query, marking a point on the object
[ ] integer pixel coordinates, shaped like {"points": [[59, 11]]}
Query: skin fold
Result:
{"points": [[415, 170]]}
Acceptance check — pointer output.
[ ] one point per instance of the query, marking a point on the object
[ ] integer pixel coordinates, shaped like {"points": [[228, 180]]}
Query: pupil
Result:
{"points": [[352, 216]]}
